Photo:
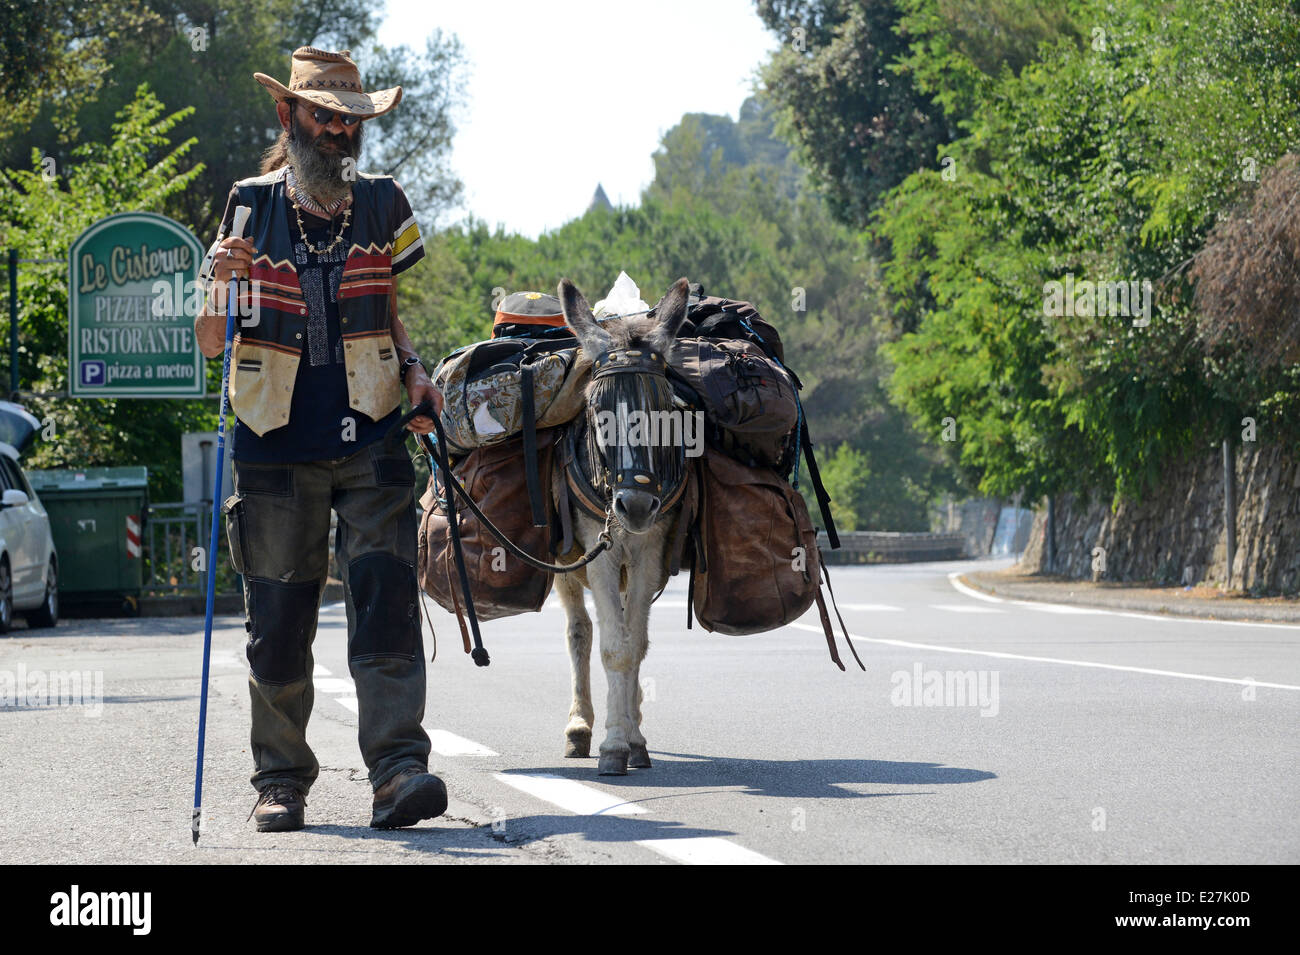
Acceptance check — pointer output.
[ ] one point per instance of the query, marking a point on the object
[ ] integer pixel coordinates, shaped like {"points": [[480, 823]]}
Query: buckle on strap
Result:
{"points": [[616, 361]]}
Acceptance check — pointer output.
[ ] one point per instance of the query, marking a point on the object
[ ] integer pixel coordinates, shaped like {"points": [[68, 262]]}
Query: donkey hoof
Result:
{"points": [[577, 745], [614, 764], [638, 758]]}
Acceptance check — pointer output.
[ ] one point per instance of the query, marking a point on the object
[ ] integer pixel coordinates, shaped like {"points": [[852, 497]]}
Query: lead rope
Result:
{"points": [[438, 453]]}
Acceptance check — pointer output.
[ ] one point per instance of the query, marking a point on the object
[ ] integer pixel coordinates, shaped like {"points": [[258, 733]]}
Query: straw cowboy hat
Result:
{"points": [[331, 80]]}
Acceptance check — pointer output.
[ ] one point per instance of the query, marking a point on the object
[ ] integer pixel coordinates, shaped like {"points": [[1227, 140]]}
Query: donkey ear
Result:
{"points": [[671, 312], [577, 315]]}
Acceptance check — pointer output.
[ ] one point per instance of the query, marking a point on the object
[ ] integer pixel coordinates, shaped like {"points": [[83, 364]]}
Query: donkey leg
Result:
{"points": [[577, 734], [615, 654], [636, 618]]}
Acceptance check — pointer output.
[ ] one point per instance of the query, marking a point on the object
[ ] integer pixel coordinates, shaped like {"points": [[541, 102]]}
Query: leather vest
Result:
{"points": [[268, 345]]}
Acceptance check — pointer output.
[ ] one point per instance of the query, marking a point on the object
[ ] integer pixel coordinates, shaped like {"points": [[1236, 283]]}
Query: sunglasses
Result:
{"points": [[325, 116]]}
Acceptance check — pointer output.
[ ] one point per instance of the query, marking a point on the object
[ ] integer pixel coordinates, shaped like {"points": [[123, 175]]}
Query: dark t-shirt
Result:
{"points": [[322, 425]]}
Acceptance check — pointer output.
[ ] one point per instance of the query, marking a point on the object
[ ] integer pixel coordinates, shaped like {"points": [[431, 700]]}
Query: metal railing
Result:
{"points": [[865, 547], [172, 530]]}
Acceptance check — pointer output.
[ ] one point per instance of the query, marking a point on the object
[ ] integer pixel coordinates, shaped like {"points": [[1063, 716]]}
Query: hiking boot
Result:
{"points": [[407, 798], [279, 808]]}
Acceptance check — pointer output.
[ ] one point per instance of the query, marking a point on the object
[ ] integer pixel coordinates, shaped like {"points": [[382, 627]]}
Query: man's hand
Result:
{"points": [[234, 259], [419, 388]]}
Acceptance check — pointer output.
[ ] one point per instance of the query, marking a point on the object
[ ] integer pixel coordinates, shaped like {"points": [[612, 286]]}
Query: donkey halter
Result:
{"points": [[628, 361]]}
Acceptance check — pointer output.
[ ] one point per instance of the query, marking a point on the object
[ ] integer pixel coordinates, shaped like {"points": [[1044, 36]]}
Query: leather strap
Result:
{"points": [[455, 600], [826, 629], [679, 533], [819, 489], [690, 592], [826, 573], [532, 474], [566, 519]]}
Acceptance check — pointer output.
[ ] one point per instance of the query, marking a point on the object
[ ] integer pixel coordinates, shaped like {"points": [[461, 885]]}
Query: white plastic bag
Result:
{"points": [[624, 298]]}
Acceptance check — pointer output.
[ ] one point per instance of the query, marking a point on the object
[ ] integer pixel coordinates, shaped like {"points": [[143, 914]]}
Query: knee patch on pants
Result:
{"points": [[282, 618], [384, 597]]}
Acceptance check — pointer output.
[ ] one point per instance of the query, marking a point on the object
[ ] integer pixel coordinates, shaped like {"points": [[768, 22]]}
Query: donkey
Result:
{"points": [[640, 484]]}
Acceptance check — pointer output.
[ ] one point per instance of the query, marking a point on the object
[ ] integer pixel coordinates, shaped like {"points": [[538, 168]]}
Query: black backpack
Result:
{"points": [[723, 318]]}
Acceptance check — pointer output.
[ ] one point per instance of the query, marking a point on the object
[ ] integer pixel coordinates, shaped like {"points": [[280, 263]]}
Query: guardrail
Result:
{"points": [[887, 547]]}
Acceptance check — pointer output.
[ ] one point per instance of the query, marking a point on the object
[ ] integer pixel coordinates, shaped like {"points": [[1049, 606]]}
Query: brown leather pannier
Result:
{"points": [[501, 583], [756, 562]]}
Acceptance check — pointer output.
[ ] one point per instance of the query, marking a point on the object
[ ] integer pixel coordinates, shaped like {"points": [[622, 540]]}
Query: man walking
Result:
{"points": [[318, 362]]}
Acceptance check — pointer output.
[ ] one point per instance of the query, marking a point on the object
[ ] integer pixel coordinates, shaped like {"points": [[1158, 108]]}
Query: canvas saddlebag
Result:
{"points": [[500, 583], [492, 388]]}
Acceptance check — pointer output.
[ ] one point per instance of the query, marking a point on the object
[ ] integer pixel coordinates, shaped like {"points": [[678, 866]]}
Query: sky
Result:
{"points": [[564, 94]]}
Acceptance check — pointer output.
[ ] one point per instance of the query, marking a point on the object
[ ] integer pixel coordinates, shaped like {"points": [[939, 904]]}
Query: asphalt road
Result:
{"points": [[1087, 737]]}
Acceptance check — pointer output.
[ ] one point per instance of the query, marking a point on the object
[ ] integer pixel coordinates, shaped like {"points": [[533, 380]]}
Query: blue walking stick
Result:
{"points": [[236, 229]]}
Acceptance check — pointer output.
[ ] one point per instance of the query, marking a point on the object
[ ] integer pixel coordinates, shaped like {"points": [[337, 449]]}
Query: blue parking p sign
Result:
{"points": [[92, 373]]}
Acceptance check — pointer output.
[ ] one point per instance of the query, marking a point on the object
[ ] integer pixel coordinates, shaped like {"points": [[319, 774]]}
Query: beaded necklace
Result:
{"points": [[323, 250], [300, 198]]}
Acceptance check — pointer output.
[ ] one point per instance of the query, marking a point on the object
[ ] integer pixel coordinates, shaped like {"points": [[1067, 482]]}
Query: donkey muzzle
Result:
{"points": [[636, 510]]}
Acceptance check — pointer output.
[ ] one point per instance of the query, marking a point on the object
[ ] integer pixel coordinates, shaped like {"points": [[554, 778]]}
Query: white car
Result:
{"points": [[29, 581]]}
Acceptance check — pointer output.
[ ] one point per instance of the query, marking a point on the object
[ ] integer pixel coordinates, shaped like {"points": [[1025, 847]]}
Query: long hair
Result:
{"points": [[277, 154]]}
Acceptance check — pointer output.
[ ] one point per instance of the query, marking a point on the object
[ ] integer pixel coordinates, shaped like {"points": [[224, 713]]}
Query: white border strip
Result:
{"points": [[1245, 681], [445, 743], [577, 798], [1077, 608], [706, 850]]}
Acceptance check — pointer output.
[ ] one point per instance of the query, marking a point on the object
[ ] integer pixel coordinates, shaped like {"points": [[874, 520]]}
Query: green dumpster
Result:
{"points": [[97, 521]]}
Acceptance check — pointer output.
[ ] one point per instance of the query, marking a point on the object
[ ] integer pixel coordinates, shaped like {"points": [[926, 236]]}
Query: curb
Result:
{"points": [[176, 605]]}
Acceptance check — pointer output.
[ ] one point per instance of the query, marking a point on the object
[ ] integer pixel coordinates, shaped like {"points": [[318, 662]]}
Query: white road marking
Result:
{"points": [[964, 608], [706, 850], [449, 744], [1245, 681], [320, 671], [348, 702], [576, 797], [584, 800], [332, 684], [228, 659], [1070, 608]]}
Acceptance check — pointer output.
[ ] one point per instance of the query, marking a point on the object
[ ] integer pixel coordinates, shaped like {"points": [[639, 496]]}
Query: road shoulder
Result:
{"points": [[1202, 602]]}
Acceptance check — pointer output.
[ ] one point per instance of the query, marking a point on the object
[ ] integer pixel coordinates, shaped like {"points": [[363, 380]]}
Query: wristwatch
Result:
{"points": [[407, 365]]}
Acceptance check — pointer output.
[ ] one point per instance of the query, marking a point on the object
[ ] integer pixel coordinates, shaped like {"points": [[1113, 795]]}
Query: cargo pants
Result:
{"points": [[278, 522]]}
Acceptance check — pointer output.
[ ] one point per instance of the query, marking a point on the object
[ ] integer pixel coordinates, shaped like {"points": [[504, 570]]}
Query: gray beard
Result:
{"points": [[320, 173]]}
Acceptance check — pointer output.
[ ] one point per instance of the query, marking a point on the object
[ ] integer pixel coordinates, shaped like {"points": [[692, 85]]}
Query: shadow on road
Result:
{"points": [[682, 775], [471, 840], [798, 778]]}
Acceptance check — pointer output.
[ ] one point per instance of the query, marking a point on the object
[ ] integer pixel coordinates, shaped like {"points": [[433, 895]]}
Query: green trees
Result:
{"points": [[1099, 142], [42, 218], [860, 125], [202, 54], [729, 208]]}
